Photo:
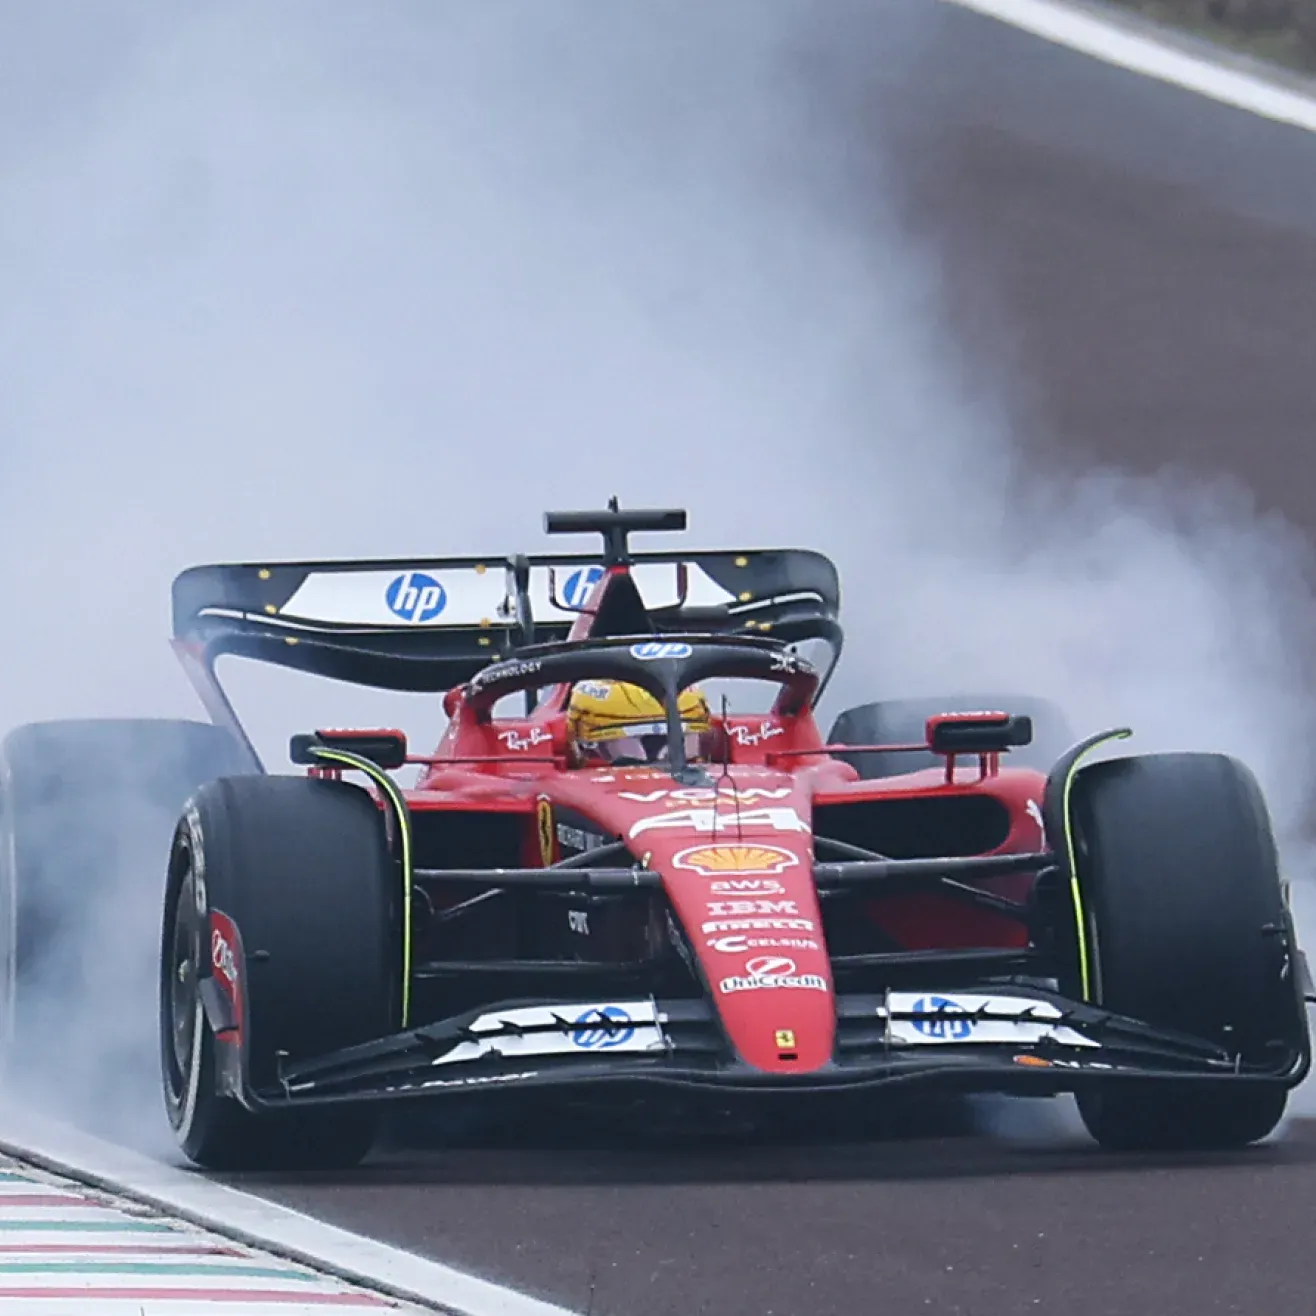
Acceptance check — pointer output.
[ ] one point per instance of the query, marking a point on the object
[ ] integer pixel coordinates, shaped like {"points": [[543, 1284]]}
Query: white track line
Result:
{"points": [[191, 1197], [1111, 41]]}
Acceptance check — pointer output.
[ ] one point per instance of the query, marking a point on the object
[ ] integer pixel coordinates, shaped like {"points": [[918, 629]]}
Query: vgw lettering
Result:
{"points": [[697, 794], [709, 820]]}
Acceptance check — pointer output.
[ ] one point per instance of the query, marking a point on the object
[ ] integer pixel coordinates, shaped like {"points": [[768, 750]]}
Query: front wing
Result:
{"points": [[1003, 1039]]}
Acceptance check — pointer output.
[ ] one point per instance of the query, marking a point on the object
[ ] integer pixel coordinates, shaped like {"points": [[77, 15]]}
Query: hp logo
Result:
{"points": [[416, 597], [943, 1018], [598, 1030], [656, 649], [578, 586]]}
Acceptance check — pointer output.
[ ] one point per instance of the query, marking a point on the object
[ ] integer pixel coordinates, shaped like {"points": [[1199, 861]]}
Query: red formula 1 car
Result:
{"points": [[608, 878]]}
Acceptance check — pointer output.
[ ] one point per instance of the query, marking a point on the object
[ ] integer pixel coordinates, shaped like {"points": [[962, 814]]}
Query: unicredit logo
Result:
{"points": [[769, 966]]}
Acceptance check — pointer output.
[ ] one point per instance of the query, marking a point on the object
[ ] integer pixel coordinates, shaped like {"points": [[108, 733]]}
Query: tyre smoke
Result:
{"points": [[297, 280]]}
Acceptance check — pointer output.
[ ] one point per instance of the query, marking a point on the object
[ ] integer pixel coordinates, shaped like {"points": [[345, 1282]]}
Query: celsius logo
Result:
{"points": [[579, 583], [941, 1018], [416, 597], [597, 1030]]}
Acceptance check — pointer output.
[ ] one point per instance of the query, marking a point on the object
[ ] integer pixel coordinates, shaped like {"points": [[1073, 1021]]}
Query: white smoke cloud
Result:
{"points": [[297, 280]]}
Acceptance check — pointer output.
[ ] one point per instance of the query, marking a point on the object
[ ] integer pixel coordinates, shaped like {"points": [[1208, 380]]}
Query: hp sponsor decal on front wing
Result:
{"points": [[561, 1029], [960, 1018]]}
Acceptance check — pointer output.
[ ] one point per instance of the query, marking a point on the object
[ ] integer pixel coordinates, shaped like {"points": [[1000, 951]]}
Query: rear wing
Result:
{"points": [[427, 624]]}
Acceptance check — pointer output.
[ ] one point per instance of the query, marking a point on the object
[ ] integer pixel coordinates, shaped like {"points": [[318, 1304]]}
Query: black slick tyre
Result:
{"points": [[1182, 896], [280, 888], [904, 721], [86, 812]]}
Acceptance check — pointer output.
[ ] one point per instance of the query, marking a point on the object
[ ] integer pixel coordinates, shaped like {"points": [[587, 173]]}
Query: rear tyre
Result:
{"points": [[904, 722], [294, 877], [1180, 882], [86, 810]]}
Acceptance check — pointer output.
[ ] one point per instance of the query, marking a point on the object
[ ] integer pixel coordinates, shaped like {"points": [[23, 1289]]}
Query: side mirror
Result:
{"points": [[386, 749], [977, 733]]}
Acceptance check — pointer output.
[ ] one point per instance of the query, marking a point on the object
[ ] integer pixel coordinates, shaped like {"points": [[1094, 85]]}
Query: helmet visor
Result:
{"points": [[646, 746]]}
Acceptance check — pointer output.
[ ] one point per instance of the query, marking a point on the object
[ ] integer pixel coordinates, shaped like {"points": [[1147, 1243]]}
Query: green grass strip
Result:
{"points": [[190, 1268], [85, 1226]]}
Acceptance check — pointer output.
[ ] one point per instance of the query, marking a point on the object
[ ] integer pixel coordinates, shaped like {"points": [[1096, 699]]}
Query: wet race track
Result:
{"points": [[957, 1224], [1152, 258]]}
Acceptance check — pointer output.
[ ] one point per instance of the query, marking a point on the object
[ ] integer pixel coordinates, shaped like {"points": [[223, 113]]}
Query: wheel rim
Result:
{"points": [[183, 999]]}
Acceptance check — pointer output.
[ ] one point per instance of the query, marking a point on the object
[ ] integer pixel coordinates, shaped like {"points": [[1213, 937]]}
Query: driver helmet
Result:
{"points": [[615, 722]]}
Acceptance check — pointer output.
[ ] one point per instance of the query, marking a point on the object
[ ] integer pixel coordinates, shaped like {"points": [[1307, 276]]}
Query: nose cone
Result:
{"points": [[777, 1011], [758, 936], [737, 866]]}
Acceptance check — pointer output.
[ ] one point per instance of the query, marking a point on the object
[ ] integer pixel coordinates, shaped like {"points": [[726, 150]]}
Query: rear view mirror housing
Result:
{"points": [[386, 749], [978, 733]]}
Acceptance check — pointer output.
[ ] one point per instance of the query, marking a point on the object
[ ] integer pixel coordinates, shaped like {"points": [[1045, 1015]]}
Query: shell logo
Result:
{"points": [[715, 860]]}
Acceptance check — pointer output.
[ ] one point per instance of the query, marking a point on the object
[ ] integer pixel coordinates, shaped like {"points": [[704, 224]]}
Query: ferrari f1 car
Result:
{"points": [[655, 892]]}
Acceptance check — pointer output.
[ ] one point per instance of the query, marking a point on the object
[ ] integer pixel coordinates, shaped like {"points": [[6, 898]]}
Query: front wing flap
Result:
{"points": [[989, 1039]]}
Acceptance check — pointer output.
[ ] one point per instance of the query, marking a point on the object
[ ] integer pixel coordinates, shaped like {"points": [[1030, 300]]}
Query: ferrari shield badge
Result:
{"points": [[544, 818]]}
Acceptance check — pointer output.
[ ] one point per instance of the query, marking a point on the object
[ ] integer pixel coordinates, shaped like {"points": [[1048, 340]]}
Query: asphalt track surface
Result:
{"points": [[1151, 257]]}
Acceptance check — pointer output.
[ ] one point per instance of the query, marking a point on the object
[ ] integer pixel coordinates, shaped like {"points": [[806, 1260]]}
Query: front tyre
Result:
{"points": [[1188, 930], [279, 897]]}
